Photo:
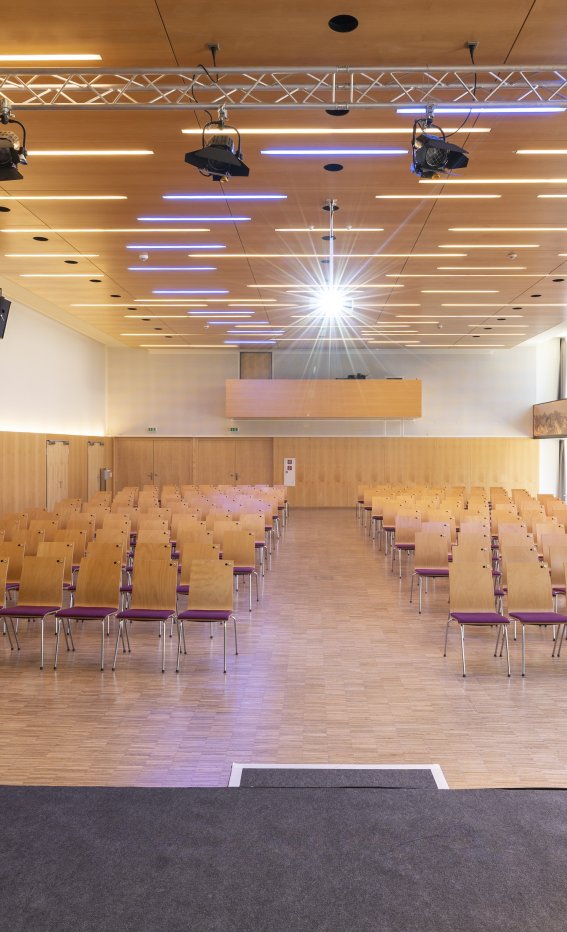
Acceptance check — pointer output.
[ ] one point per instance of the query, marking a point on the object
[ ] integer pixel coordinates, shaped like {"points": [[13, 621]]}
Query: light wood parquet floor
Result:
{"points": [[335, 666]]}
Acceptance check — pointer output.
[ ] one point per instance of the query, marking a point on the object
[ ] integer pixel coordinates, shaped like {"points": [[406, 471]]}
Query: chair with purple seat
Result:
{"points": [[431, 559], [405, 530], [96, 596], [194, 550], [153, 599], [41, 594], [239, 547], [530, 600], [471, 602], [210, 600]]}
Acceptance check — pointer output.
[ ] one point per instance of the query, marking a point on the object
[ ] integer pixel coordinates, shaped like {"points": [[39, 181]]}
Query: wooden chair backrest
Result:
{"points": [[196, 550], [448, 528], [554, 540], [79, 540], [431, 550], [472, 551], [41, 582], [117, 521], [477, 538], [556, 559], [216, 514], [152, 524], [159, 514], [405, 528], [9, 527], [49, 528], [98, 581], [239, 547], [114, 536], [524, 555], [220, 528], [62, 550], [31, 539], [529, 588], [147, 550], [187, 535], [211, 585], [470, 587], [14, 553], [153, 536], [82, 522], [156, 588], [254, 523], [3, 579], [102, 549]]}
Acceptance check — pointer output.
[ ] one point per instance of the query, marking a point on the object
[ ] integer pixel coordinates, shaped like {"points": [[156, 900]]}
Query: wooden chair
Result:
{"points": [[79, 540], [153, 536], [431, 560], [31, 540], [471, 602], [4, 563], [238, 547], [41, 594], [62, 550], [194, 550], [530, 600], [405, 530], [153, 599], [210, 600], [49, 528], [556, 559], [255, 522], [97, 595], [14, 553], [82, 522]]}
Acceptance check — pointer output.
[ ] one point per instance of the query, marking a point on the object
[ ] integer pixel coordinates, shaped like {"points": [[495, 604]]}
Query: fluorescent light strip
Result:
{"points": [[156, 304], [224, 197], [223, 314], [100, 230], [90, 153], [349, 290], [191, 291], [193, 219], [466, 291], [155, 317], [490, 317], [492, 268], [486, 109], [462, 345], [515, 304], [170, 246], [541, 151], [474, 275], [61, 275], [260, 333], [493, 181], [172, 268], [64, 197], [183, 346], [552, 196], [508, 229], [333, 152], [51, 255], [67, 56], [247, 342], [435, 197], [486, 246], [315, 255], [341, 131], [326, 229]]}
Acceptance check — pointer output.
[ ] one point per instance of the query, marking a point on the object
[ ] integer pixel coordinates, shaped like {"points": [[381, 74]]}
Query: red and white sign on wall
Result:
{"points": [[289, 471]]}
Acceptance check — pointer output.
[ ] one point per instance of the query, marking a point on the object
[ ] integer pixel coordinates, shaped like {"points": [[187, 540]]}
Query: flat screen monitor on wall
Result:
{"points": [[4, 311], [550, 420]]}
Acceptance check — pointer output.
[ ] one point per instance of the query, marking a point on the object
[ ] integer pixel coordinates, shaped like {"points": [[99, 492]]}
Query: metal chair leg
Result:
{"points": [[463, 648], [523, 650], [446, 636], [505, 638], [224, 644]]}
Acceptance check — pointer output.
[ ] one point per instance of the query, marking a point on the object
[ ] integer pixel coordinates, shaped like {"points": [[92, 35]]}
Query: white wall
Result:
{"points": [[486, 395], [546, 390], [52, 379]]}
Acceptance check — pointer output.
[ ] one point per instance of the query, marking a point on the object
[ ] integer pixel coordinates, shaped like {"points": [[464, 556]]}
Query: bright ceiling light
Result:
{"points": [[172, 268], [541, 151], [334, 152], [51, 255], [61, 275], [334, 131], [191, 291], [103, 230], [63, 197], [493, 181], [193, 219], [486, 246], [508, 229], [224, 197], [90, 153], [488, 109], [467, 291], [172, 246], [435, 197], [324, 230], [331, 304], [489, 268], [67, 56]]}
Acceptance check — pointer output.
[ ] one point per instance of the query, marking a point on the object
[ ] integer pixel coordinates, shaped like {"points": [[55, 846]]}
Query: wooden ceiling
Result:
{"points": [[440, 287]]}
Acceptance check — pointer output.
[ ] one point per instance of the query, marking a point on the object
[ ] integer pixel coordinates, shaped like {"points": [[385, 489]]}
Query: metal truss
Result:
{"points": [[284, 88]]}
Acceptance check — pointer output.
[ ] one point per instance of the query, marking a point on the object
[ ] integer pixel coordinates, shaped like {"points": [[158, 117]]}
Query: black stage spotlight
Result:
{"points": [[12, 153], [432, 155], [219, 158]]}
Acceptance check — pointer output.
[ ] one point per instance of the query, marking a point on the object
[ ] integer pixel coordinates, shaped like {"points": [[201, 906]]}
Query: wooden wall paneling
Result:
{"points": [[254, 464], [216, 461], [22, 466], [323, 398], [57, 471], [173, 460], [133, 461], [96, 460]]}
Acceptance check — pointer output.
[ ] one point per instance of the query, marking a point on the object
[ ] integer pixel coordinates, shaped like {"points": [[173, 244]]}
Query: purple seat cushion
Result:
{"points": [[242, 570], [479, 618], [429, 571], [183, 590], [86, 611], [557, 590], [141, 614], [28, 611], [125, 588], [194, 615], [12, 586], [539, 618], [405, 546]]}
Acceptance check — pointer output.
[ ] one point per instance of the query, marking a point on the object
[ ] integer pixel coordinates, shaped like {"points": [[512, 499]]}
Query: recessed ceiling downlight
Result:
{"points": [[343, 22], [333, 167]]}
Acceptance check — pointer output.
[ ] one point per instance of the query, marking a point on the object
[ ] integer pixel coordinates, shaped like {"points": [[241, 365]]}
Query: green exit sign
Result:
{"points": [[233, 430], [152, 430]]}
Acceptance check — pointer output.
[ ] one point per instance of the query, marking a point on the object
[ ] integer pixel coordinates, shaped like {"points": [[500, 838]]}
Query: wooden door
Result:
{"points": [[173, 461], [215, 460], [96, 456], [254, 461], [133, 461], [57, 471]]}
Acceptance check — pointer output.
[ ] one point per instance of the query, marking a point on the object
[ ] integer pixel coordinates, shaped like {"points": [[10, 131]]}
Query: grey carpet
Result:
{"points": [[340, 778], [331, 860]]}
